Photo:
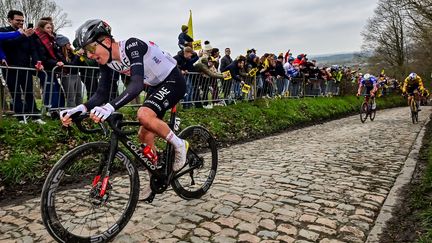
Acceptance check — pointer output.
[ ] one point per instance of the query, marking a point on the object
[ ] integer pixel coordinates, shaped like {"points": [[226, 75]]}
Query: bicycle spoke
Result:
{"points": [[80, 211]]}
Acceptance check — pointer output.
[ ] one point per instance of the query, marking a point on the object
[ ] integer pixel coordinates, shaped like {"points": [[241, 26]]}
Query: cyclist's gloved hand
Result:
{"points": [[65, 115], [101, 113]]}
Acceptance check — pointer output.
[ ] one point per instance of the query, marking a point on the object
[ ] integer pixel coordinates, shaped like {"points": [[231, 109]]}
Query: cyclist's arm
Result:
{"points": [[421, 86], [135, 51], [405, 84], [101, 95], [375, 89], [360, 87]]}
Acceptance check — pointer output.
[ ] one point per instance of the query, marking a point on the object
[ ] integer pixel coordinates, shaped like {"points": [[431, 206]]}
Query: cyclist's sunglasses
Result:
{"points": [[91, 48]]}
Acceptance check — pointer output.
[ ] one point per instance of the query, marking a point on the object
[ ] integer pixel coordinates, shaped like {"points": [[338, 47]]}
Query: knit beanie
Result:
{"points": [[61, 40]]}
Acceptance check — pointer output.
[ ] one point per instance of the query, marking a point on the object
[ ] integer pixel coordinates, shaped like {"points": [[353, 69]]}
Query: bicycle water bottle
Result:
{"points": [[152, 156]]}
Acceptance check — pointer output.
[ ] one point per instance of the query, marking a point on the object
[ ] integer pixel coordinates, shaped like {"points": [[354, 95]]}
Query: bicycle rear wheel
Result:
{"points": [[195, 179], [363, 112], [73, 211]]}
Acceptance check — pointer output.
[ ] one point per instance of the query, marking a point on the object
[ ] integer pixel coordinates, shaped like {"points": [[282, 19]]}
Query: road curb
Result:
{"points": [[394, 195]]}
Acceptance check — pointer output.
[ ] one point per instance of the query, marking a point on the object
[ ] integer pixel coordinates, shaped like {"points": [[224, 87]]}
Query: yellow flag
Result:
{"points": [[190, 27]]}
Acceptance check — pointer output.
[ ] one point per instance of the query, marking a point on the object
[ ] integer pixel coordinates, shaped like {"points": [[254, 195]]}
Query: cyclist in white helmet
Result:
{"points": [[146, 64]]}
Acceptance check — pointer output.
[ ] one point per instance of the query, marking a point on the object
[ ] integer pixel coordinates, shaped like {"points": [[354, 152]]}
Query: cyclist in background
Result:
{"points": [[371, 84], [412, 84], [146, 64], [424, 97]]}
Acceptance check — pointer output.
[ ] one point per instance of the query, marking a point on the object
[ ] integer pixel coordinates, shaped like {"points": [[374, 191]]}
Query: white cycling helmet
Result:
{"points": [[412, 76], [367, 76]]}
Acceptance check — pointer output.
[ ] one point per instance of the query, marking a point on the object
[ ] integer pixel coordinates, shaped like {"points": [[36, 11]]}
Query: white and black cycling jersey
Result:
{"points": [[156, 63], [143, 61]]}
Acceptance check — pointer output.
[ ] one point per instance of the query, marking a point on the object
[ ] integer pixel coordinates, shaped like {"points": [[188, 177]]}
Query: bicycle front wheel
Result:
{"points": [[414, 111], [372, 115], [71, 206], [363, 112], [195, 179]]}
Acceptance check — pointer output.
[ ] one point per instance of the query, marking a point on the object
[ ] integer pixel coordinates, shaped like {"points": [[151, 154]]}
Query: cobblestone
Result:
{"points": [[316, 184]]}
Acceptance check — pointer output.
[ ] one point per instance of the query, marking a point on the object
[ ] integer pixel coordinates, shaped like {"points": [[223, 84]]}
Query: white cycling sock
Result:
{"points": [[174, 140]]}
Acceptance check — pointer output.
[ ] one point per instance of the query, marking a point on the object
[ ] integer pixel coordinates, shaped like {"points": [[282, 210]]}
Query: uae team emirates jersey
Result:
{"points": [[156, 63]]}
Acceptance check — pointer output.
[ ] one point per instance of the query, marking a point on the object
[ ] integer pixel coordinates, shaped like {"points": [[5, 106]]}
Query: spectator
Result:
{"points": [[226, 60], [184, 39], [19, 52], [291, 73], [207, 49], [281, 77], [12, 35], [49, 54], [209, 79], [268, 75], [50, 20], [262, 64], [215, 56], [70, 80], [185, 59], [235, 68]]}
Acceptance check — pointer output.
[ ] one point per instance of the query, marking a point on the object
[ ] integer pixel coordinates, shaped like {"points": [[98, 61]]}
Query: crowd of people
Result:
{"points": [[274, 74], [40, 48], [221, 76]]}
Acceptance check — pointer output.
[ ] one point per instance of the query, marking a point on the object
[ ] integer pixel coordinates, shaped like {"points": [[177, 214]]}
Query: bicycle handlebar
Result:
{"points": [[114, 121]]}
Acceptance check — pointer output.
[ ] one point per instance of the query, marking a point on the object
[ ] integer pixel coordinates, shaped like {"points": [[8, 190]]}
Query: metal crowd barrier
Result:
{"points": [[69, 86], [20, 89], [203, 91]]}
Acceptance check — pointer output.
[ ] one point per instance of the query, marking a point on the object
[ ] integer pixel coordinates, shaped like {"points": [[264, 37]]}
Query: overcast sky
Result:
{"points": [[304, 26]]}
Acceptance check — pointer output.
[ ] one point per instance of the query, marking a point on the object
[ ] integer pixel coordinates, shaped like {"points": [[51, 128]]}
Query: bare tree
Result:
{"points": [[386, 37], [34, 10]]}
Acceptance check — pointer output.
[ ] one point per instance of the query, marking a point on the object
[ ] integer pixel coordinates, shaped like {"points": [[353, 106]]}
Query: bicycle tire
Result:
{"points": [[372, 115], [202, 145], [414, 112], [364, 112], [74, 167]]}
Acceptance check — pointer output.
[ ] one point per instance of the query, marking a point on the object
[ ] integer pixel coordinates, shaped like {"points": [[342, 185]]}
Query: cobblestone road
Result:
{"points": [[324, 183]]}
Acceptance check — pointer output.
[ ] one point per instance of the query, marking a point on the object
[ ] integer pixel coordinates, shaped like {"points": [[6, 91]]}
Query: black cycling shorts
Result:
{"points": [[369, 89], [167, 94], [411, 88]]}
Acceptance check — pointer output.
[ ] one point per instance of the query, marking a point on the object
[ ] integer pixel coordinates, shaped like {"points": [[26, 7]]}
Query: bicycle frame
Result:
{"points": [[118, 135]]}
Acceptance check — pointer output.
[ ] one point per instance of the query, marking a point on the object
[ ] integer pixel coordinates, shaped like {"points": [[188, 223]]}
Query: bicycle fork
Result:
{"points": [[101, 192]]}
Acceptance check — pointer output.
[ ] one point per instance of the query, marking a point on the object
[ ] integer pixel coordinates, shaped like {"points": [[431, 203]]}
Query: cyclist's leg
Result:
{"points": [[410, 91], [417, 99], [147, 137], [164, 97]]}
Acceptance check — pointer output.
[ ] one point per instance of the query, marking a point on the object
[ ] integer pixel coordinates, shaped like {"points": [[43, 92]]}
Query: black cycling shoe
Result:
{"points": [[149, 199]]}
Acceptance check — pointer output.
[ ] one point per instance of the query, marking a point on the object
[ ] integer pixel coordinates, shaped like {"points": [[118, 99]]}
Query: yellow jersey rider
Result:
{"points": [[411, 84]]}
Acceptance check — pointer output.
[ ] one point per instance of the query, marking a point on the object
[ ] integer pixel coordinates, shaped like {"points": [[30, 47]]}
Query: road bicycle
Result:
{"points": [[92, 191], [367, 109], [414, 108]]}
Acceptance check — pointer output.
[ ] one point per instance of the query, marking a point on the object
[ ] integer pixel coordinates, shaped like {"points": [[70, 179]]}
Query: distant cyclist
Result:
{"points": [[146, 64], [424, 97], [370, 82], [412, 85]]}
